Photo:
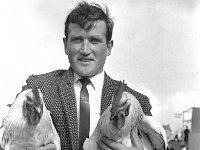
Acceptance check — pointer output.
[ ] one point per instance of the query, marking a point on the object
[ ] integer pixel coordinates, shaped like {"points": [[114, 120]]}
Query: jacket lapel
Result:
{"points": [[69, 105], [69, 102], [109, 88]]}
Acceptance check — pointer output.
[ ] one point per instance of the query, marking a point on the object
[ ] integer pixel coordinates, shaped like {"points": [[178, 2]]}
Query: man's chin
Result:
{"points": [[87, 74], [87, 71]]}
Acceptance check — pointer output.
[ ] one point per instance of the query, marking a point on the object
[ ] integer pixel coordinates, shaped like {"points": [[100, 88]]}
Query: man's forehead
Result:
{"points": [[92, 25]]}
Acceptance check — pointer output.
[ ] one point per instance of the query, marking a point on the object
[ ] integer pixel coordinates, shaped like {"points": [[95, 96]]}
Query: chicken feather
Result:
{"points": [[28, 124], [124, 122]]}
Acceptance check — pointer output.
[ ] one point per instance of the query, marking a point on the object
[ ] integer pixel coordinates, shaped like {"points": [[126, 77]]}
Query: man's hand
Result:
{"points": [[107, 144], [48, 147]]}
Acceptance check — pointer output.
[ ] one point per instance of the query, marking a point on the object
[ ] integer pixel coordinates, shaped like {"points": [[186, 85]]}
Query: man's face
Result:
{"points": [[87, 49]]}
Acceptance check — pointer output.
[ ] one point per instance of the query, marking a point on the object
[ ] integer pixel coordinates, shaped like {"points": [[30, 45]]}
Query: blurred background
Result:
{"points": [[156, 50]]}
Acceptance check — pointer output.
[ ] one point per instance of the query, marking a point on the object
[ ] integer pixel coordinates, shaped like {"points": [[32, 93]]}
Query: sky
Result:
{"points": [[156, 49]]}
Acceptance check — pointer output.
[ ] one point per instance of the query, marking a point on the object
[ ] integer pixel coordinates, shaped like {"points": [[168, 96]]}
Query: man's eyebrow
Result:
{"points": [[95, 36], [75, 36]]}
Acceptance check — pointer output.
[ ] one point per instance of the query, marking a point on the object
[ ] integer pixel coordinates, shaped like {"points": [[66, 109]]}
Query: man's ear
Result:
{"points": [[109, 47], [65, 45]]}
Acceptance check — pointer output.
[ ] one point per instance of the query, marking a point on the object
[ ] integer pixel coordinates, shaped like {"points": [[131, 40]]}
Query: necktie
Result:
{"points": [[84, 122]]}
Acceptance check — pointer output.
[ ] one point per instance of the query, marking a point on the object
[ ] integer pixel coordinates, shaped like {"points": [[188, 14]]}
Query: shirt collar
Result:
{"points": [[76, 77], [96, 80]]}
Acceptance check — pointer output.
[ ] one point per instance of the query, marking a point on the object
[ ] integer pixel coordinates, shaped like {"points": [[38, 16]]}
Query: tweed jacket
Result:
{"points": [[59, 97]]}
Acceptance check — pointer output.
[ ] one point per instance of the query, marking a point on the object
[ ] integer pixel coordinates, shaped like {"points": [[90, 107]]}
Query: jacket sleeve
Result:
{"points": [[144, 101], [146, 106], [28, 84]]}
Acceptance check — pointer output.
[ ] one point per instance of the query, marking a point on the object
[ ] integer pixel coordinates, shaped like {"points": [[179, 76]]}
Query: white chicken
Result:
{"points": [[124, 122], [28, 124]]}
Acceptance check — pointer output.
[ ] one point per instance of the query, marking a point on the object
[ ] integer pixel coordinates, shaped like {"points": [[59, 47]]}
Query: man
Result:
{"points": [[186, 136], [88, 42]]}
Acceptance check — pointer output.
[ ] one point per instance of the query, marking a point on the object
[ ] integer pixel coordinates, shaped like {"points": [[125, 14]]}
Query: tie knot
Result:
{"points": [[85, 81]]}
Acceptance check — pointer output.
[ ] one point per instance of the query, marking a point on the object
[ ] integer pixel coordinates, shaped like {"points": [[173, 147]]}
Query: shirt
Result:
{"points": [[95, 91]]}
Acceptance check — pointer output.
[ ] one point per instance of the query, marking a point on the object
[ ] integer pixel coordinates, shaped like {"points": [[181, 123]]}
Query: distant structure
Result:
{"points": [[194, 135], [194, 121], [191, 118]]}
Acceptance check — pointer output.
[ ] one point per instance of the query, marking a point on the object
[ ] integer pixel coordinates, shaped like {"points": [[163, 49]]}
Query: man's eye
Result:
{"points": [[95, 41], [77, 40]]}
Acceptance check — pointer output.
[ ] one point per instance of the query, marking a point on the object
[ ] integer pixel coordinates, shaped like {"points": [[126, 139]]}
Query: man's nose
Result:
{"points": [[85, 49]]}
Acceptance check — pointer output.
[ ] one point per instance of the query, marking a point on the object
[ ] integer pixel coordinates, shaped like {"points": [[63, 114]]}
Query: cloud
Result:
{"points": [[184, 100], [156, 104], [165, 109], [179, 102]]}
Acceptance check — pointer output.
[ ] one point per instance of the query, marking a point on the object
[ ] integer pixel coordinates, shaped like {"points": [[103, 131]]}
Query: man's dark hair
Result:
{"points": [[86, 14]]}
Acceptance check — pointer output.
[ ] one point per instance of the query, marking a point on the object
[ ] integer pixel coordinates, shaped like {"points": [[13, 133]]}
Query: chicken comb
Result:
{"points": [[118, 94]]}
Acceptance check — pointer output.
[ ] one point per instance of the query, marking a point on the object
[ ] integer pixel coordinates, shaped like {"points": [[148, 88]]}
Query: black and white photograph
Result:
{"points": [[97, 74]]}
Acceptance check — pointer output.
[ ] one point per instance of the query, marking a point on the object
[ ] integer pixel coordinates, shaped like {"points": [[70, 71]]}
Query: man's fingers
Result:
{"points": [[103, 144], [108, 144], [112, 145]]}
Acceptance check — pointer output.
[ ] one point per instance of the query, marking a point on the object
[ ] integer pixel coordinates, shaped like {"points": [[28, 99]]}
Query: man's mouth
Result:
{"points": [[85, 59]]}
